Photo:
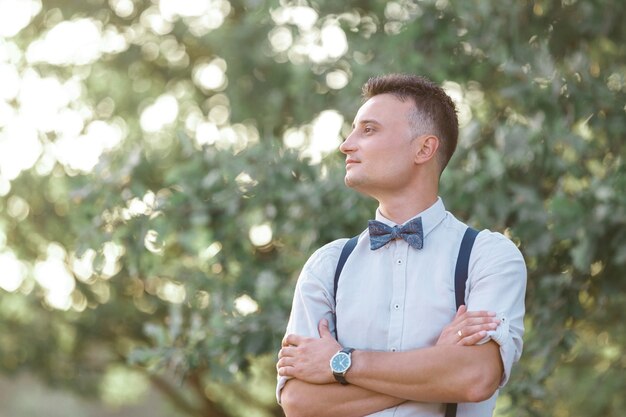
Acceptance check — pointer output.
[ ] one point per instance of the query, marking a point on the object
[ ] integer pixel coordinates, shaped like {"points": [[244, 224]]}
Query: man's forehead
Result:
{"points": [[380, 107]]}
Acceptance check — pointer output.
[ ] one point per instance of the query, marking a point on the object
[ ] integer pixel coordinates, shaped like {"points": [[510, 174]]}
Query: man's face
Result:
{"points": [[379, 150]]}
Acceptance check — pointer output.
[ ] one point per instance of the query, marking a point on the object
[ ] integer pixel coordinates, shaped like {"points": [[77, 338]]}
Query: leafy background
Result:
{"points": [[166, 167]]}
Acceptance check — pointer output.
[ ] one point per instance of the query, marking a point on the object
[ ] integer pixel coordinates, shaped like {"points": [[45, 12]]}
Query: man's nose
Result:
{"points": [[347, 145]]}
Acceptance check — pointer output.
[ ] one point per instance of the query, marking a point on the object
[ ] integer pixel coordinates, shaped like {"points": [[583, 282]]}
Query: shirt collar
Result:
{"points": [[431, 217]]}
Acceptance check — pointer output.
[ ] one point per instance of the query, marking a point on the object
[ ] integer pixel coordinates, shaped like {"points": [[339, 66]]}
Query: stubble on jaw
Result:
{"points": [[349, 181], [354, 183]]}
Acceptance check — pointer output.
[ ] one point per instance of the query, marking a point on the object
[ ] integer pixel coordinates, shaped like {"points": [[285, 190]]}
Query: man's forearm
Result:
{"points": [[301, 399], [434, 374]]}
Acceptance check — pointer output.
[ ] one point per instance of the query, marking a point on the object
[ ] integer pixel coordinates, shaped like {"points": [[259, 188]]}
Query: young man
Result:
{"points": [[406, 351]]}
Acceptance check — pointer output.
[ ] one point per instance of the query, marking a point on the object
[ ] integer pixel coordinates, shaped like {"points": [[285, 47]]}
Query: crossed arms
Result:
{"points": [[455, 370]]}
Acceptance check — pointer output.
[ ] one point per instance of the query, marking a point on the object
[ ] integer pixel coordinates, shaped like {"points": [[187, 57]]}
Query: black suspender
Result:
{"points": [[345, 252], [462, 265], [460, 278]]}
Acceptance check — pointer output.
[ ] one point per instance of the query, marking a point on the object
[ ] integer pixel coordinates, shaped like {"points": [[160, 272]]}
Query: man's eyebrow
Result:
{"points": [[365, 121]]}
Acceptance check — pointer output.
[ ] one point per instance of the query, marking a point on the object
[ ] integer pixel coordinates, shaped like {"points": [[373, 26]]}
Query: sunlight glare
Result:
{"points": [[122, 8], [334, 41], [294, 138], [20, 148], [153, 242], [161, 113], [456, 93], [184, 8], [15, 15], [280, 38], [337, 79], [112, 253], [210, 76], [207, 133], [7, 113], [325, 136], [245, 182], [212, 250], [173, 292], [41, 99], [17, 207], [10, 85], [303, 17], [76, 42], [13, 272], [83, 152], [55, 278], [261, 235], [152, 19], [5, 188], [83, 266], [245, 305]]}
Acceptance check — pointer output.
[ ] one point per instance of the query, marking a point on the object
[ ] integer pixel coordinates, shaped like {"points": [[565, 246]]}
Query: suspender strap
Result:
{"points": [[462, 265], [451, 410], [460, 278], [345, 252]]}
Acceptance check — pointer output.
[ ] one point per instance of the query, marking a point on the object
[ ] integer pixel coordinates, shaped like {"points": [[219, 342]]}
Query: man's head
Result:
{"points": [[434, 113]]}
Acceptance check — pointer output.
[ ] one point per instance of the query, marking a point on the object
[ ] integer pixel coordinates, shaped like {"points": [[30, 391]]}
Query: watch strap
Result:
{"points": [[341, 377]]}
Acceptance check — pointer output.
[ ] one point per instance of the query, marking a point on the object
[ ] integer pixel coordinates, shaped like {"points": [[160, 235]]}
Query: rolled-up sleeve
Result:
{"points": [[313, 298], [497, 282]]}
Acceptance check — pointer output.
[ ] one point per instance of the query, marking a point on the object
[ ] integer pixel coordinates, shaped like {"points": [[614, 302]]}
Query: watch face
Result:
{"points": [[340, 362]]}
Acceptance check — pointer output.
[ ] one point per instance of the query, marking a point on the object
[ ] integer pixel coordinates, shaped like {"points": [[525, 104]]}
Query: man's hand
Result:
{"points": [[308, 358], [468, 327]]}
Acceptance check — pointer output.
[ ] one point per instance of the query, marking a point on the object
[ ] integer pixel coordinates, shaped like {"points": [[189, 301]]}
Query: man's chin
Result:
{"points": [[350, 183], [354, 184]]}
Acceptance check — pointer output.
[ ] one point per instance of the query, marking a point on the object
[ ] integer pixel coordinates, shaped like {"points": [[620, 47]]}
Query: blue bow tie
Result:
{"points": [[381, 234]]}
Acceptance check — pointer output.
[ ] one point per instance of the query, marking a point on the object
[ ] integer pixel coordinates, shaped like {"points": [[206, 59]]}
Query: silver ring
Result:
{"points": [[460, 333]]}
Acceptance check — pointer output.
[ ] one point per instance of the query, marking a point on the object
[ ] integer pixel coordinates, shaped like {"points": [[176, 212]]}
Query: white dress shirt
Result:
{"points": [[398, 298]]}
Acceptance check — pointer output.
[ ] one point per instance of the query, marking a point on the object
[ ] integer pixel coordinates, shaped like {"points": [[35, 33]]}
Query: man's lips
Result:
{"points": [[351, 161]]}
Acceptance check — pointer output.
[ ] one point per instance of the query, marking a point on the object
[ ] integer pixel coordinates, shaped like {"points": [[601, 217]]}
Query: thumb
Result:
{"points": [[462, 309], [322, 327]]}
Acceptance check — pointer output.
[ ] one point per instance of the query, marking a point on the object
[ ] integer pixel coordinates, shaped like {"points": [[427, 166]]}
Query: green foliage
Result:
{"points": [[157, 237]]}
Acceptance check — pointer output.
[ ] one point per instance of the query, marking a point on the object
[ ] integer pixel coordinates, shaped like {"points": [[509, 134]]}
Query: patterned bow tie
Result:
{"points": [[381, 234]]}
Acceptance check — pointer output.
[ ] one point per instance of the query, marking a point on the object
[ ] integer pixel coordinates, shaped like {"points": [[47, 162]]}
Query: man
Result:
{"points": [[411, 352]]}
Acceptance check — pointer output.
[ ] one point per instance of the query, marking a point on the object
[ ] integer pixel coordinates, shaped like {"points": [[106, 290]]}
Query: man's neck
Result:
{"points": [[402, 209]]}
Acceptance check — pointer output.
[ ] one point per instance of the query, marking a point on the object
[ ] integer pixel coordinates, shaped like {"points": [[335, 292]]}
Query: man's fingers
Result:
{"points": [[292, 340], [473, 339], [286, 351], [472, 334], [480, 313], [462, 309], [286, 371], [474, 321], [284, 361]]}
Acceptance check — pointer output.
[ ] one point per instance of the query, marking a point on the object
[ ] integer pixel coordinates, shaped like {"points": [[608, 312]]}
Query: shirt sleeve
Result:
{"points": [[313, 298], [497, 282]]}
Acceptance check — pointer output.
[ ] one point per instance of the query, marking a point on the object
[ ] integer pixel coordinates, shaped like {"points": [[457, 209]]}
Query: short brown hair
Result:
{"points": [[435, 112]]}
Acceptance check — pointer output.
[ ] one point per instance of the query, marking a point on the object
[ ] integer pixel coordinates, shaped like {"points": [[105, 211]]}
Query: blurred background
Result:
{"points": [[167, 166]]}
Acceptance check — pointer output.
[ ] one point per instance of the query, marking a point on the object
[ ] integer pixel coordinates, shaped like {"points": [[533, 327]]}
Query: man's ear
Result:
{"points": [[426, 148]]}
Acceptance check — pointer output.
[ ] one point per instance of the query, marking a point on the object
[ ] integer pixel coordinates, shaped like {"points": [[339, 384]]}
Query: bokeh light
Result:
{"points": [[13, 271], [15, 15]]}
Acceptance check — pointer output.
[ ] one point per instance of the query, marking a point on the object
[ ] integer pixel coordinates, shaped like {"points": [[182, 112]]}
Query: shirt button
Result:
{"points": [[399, 261], [393, 349], [397, 306]]}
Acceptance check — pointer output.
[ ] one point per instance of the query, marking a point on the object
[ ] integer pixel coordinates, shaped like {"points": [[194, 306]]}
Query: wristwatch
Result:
{"points": [[340, 363]]}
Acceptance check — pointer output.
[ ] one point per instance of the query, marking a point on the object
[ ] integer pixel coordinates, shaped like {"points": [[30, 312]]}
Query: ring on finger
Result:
{"points": [[460, 333]]}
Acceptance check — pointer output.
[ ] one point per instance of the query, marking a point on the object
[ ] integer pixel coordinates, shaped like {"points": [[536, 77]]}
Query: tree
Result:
{"points": [[163, 168]]}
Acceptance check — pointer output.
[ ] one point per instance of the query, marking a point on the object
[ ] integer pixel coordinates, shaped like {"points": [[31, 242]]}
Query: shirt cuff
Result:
{"points": [[282, 380], [502, 336]]}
